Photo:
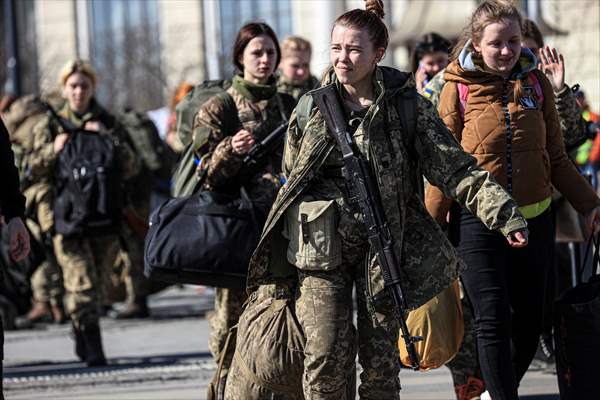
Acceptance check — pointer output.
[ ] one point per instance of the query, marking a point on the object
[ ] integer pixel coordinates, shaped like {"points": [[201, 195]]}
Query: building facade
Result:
{"points": [[144, 48]]}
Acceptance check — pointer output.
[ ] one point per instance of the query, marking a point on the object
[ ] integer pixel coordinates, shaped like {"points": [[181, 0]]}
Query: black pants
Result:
{"points": [[506, 287]]}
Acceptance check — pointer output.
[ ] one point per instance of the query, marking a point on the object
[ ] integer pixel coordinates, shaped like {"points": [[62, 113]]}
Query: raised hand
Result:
{"points": [[553, 65]]}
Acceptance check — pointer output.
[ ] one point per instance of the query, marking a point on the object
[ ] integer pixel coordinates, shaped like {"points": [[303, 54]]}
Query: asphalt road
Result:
{"points": [[166, 357]]}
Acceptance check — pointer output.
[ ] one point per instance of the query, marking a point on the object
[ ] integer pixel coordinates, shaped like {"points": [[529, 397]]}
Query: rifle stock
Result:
{"points": [[365, 192]]}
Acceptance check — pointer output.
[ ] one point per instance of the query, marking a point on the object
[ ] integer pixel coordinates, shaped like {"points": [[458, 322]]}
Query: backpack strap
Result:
{"points": [[303, 109], [536, 86], [463, 96], [230, 109], [406, 107]]}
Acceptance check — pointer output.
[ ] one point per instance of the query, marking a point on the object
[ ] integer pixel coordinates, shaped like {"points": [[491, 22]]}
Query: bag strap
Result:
{"points": [[463, 96], [536, 86], [594, 240], [229, 109], [303, 109], [406, 107]]}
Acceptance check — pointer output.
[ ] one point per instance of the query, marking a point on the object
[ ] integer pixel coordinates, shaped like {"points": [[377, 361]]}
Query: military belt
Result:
{"points": [[275, 291]]}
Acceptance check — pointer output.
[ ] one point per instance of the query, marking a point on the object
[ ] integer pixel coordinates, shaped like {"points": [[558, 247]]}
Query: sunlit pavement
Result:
{"points": [[166, 357]]}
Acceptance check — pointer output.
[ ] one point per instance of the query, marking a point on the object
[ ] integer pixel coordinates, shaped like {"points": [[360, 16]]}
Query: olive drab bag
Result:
{"points": [[185, 181], [157, 157], [264, 354]]}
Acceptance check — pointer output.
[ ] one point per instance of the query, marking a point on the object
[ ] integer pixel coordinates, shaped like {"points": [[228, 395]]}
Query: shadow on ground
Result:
{"points": [[115, 364]]}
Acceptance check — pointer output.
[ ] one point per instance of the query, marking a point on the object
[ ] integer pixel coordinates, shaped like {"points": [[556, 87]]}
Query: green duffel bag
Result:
{"points": [[265, 359]]}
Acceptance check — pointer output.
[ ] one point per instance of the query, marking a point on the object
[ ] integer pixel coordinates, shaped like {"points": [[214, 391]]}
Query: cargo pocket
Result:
{"points": [[311, 227]]}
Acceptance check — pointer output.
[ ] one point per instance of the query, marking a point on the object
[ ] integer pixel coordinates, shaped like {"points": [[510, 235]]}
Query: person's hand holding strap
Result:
{"points": [[242, 142]]}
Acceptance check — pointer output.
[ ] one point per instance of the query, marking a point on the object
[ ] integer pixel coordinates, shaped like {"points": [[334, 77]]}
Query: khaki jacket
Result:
{"points": [[429, 261], [518, 140]]}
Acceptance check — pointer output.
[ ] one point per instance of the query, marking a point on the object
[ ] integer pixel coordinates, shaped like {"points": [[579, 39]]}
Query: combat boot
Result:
{"points": [[58, 313], [94, 352], [135, 309], [40, 312]]}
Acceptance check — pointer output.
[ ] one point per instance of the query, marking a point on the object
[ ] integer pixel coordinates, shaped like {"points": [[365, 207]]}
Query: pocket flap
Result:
{"points": [[313, 209]]}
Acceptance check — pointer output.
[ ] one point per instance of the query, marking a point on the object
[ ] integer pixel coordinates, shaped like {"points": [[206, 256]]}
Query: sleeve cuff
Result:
{"points": [[562, 91], [513, 225]]}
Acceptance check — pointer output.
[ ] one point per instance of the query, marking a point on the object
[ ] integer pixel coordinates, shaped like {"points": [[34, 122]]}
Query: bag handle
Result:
{"points": [[595, 241]]}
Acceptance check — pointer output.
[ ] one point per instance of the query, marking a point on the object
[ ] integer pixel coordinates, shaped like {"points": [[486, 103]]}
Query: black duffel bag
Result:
{"points": [[577, 335], [204, 239]]}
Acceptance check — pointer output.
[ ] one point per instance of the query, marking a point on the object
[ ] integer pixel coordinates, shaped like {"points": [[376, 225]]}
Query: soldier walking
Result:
{"points": [[225, 129], [327, 247], [86, 260]]}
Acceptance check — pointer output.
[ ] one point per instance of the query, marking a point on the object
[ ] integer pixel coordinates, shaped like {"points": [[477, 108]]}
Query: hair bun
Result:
{"points": [[376, 7]]}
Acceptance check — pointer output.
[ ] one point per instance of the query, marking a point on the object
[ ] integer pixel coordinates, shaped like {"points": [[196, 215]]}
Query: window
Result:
{"points": [[24, 20], [235, 13], [125, 50]]}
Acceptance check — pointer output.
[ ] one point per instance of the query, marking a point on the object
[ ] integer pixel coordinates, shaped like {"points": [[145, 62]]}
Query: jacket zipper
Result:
{"points": [[509, 136]]}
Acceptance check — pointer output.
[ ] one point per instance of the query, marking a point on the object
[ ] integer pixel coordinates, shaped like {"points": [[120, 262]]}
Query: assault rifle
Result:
{"points": [[260, 149], [365, 192]]}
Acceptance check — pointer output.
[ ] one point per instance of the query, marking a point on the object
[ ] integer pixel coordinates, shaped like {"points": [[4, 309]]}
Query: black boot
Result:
{"points": [[79, 343], [94, 353]]}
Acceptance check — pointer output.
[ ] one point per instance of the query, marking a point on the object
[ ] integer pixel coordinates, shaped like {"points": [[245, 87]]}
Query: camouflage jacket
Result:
{"points": [[429, 261], [260, 109], [296, 90], [41, 160], [569, 114]]}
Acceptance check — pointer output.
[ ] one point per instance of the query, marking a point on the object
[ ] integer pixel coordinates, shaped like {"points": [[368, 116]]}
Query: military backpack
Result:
{"points": [[185, 179], [88, 198], [156, 155]]}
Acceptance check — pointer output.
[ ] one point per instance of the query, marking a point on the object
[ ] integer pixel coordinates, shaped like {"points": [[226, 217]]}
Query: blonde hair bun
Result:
{"points": [[376, 7]]}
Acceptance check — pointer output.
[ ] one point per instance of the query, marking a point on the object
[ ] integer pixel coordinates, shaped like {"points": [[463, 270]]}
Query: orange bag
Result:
{"points": [[440, 323]]}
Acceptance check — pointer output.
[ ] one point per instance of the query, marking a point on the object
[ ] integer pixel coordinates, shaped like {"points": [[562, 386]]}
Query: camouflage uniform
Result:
{"points": [[24, 114], [259, 110], [429, 260], [85, 261], [296, 90], [466, 363]]}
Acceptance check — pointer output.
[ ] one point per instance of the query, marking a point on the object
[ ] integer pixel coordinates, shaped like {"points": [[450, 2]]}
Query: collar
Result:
{"points": [[253, 91]]}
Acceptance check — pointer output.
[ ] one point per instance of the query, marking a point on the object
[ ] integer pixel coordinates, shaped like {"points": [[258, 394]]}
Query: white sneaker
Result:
{"points": [[486, 396]]}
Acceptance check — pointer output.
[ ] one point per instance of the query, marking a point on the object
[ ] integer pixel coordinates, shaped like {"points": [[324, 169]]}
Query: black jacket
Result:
{"points": [[12, 202]]}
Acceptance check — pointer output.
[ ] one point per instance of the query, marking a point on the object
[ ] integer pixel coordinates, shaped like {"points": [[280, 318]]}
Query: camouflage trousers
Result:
{"points": [[47, 283], [324, 309], [228, 308], [131, 265], [86, 263], [466, 364]]}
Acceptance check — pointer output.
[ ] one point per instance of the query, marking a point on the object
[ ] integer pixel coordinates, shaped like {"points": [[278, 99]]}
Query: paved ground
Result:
{"points": [[166, 357]]}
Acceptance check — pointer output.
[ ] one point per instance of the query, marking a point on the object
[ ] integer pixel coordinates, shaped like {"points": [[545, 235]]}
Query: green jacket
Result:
{"points": [[429, 260]]}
